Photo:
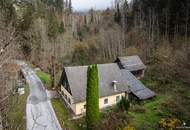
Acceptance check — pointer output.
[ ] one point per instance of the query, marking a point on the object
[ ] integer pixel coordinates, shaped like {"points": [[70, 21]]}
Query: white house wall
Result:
{"points": [[79, 108], [111, 101], [65, 92]]}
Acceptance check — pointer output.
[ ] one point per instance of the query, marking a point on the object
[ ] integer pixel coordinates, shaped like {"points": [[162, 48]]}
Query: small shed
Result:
{"points": [[132, 63]]}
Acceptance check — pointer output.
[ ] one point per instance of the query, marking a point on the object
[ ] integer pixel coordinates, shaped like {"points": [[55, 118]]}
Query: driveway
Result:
{"points": [[39, 111]]}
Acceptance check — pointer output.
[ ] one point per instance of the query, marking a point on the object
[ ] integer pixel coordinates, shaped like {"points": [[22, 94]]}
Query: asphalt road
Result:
{"points": [[39, 111]]}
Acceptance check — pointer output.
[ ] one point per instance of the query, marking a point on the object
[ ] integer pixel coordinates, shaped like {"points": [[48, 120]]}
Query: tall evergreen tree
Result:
{"points": [[59, 5], [66, 4], [53, 26], [92, 97], [117, 16], [70, 6], [62, 28], [85, 20], [92, 15], [125, 11]]}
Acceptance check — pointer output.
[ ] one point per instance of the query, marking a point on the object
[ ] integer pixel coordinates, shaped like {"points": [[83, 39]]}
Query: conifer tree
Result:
{"points": [[85, 20], [125, 14], [92, 16], [117, 16], [70, 6], [66, 4], [59, 5], [92, 97], [61, 28]]}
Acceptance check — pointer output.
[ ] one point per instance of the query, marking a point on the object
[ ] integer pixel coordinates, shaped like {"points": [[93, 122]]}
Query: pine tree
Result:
{"points": [[117, 16], [70, 6], [92, 16], [61, 28], [59, 5], [85, 20], [125, 7], [53, 26], [66, 4], [125, 14], [92, 97]]}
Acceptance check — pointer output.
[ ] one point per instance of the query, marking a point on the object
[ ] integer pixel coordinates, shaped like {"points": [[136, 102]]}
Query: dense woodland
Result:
{"points": [[50, 34]]}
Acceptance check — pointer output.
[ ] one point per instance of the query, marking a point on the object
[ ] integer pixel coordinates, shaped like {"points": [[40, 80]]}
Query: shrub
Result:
{"points": [[138, 109], [169, 124], [128, 128], [114, 120], [123, 104]]}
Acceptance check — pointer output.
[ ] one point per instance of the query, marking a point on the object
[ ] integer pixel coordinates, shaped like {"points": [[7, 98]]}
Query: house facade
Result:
{"points": [[114, 82], [80, 107]]}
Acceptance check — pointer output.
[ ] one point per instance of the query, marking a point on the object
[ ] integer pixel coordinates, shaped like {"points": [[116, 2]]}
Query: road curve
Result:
{"points": [[39, 111]]}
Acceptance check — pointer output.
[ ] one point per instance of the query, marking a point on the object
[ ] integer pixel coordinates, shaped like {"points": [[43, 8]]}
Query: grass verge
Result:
{"points": [[45, 78], [63, 115], [16, 110]]}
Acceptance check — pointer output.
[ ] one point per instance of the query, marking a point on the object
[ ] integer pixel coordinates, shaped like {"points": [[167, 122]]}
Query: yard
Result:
{"points": [[64, 118], [146, 116], [172, 101], [167, 104]]}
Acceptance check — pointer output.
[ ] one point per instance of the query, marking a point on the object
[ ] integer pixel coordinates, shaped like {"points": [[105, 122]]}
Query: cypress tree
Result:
{"points": [[92, 97]]}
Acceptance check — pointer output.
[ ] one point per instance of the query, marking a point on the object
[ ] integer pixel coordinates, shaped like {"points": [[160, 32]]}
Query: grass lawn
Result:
{"points": [[148, 119], [45, 78], [16, 110], [63, 116], [171, 102]]}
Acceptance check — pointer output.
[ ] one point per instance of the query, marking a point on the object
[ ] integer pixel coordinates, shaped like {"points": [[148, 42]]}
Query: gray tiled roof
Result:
{"points": [[77, 78], [132, 63], [136, 87]]}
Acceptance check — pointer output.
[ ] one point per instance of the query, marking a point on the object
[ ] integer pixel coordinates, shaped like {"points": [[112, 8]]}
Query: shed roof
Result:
{"points": [[131, 63], [77, 78]]}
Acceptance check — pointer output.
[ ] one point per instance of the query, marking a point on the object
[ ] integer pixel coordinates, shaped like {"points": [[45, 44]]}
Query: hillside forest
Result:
{"points": [[49, 34]]}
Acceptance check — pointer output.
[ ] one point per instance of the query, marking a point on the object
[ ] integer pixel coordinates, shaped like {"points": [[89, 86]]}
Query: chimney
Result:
{"points": [[114, 83]]}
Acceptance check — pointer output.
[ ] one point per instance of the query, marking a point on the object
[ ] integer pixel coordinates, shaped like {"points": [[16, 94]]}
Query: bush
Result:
{"points": [[138, 109], [124, 104], [169, 124], [128, 128], [113, 121]]}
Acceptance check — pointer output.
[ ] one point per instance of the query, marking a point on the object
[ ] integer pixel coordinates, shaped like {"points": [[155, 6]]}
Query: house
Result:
{"points": [[133, 64], [114, 82]]}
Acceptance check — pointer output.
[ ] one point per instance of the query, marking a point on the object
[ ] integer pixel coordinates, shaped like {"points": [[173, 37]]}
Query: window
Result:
{"points": [[62, 93], [69, 100], [138, 72], [117, 98], [65, 96], [106, 101]]}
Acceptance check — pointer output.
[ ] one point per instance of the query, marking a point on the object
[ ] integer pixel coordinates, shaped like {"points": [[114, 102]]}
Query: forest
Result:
{"points": [[50, 34]]}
